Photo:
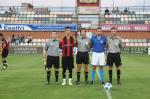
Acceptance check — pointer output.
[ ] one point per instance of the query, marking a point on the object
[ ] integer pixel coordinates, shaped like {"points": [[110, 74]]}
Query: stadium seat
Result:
{"points": [[145, 44], [136, 44], [141, 44], [127, 44]]}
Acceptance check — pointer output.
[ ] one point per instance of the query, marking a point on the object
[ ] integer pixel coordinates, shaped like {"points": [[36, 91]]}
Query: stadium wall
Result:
{"points": [[45, 35]]}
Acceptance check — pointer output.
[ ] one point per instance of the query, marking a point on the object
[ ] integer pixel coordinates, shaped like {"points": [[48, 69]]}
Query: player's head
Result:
{"points": [[67, 31], [99, 31], [54, 35], [83, 32], [113, 31]]}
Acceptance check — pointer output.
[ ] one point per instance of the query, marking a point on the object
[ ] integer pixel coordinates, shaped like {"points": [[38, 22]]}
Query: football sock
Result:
{"points": [[101, 72], [70, 73], [118, 75], [56, 75], [110, 75], [48, 75], [64, 73], [78, 76], [93, 75], [86, 76]]}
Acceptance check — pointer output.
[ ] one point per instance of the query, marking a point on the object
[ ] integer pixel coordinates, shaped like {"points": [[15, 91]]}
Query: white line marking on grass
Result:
{"points": [[106, 91]]}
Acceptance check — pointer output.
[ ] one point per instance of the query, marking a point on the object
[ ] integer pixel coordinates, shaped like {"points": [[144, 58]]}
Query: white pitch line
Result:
{"points": [[106, 91]]}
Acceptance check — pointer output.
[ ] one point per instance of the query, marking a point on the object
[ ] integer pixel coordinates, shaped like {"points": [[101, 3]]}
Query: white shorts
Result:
{"points": [[98, 59]]}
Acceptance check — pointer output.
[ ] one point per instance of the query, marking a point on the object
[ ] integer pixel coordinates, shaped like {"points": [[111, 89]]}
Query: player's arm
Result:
{"points": [[45, 48], [121, 44]]}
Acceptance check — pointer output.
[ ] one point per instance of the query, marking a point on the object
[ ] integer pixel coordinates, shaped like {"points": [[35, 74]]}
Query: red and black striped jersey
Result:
{"points": [[67, 45], [5, 44]]}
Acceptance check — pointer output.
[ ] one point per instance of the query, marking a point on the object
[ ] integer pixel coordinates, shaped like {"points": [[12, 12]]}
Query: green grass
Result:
{"points": [[25, 79]]}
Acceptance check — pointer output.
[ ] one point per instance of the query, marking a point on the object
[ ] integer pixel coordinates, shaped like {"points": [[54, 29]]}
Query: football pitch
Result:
{"points": [[25, 79]]}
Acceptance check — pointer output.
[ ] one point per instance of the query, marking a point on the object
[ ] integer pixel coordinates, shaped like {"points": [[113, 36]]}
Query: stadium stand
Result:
{"points": [[37, 15]]}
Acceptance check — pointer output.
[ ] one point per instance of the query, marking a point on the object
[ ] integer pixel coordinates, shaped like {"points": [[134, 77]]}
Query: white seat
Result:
{"points": [[38, 40], [34, 44]]}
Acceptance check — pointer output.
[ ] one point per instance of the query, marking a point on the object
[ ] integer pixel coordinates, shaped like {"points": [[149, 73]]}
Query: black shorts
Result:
{"points": [[5, 53], [68, 62], [82, 57], [52, 60], [113, 58]]}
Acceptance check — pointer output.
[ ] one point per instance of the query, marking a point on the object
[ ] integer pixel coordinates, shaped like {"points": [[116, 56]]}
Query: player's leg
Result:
{"points": [[79, 66], [48, 75], [70, 76], [4, 59], [64, 75], [118, 74], [85, 58], [110, 74], [94, 62], [64, 67], [118, 63], [56, 66], [49, 66], [101, 73], [70, 68], [86, 72], [110, 64], [93, 73], [102, 64]]}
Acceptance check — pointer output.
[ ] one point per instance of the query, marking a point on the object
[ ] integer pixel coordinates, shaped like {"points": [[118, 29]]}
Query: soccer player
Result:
{"points": [[67, 45], [4, 53], [52, 56], [82, 57], [98, 56], [1, 37], [114, 43]]}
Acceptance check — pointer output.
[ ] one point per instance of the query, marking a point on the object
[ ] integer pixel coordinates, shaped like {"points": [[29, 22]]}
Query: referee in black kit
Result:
{"points": [[82, 57], [114, 44]]}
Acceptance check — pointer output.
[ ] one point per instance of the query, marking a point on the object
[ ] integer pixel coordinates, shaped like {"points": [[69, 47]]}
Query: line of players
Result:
{"points": [[99, 43]]}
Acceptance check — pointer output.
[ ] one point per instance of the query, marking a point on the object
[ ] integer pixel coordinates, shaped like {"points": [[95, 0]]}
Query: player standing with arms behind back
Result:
{"points": [[114, 43], [82, 57], [67, 45], [52, 56]]}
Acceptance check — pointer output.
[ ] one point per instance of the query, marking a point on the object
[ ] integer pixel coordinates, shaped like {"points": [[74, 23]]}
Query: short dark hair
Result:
{"points": [[82, 29], [99, 28], [67, 28], [113, 28]]}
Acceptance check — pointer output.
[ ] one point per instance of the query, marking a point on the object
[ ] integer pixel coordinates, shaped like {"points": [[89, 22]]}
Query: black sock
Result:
{"points": [[48, 75], [118, 75], [56, 75], [110, 75], [70, 73], [86, 76], [78, 76], [64, 73], [4, 62]]}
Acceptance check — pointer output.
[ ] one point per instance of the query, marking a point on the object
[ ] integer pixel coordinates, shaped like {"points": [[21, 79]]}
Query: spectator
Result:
{"points": [[13, 39], [125, 11], [106, 11], [115, 11], [22, 39], [17, 40], [29, 39]]}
